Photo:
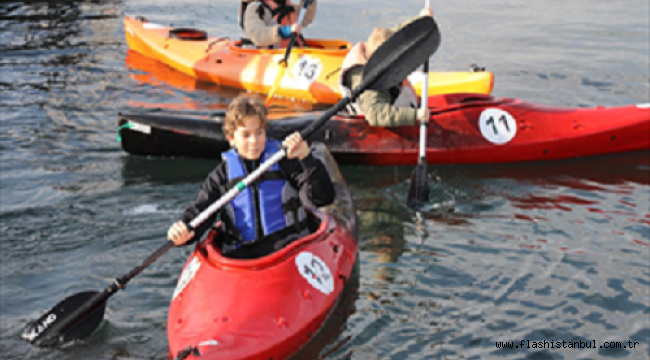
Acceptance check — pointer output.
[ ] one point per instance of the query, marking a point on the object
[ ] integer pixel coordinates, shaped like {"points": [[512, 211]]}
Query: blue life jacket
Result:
{"points": [[281, 210]]}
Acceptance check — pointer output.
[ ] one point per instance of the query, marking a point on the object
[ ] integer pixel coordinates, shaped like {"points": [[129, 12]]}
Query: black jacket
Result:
{"points": [[309, 177]]}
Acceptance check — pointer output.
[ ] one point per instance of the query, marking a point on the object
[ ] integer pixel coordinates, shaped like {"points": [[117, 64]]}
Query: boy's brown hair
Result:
{"points": [[241, 107], [376, 38]]}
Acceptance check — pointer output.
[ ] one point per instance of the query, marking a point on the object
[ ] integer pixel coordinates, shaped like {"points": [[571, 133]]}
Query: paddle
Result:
{"points": [[284, 62], [419, 191], [79, 315]]}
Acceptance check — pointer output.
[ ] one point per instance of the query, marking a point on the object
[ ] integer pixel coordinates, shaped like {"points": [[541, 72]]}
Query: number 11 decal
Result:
{"points": [[497, 126]]}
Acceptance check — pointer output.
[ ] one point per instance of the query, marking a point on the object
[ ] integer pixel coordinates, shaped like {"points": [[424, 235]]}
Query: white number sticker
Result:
{"points": [[306, 70], [145, 129], [497, 126], [314, 270], [187, 275], [149, 25]]}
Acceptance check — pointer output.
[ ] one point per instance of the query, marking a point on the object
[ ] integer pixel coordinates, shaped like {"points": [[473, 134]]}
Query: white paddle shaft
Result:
{"points": [[424, 102], [238, 188]]}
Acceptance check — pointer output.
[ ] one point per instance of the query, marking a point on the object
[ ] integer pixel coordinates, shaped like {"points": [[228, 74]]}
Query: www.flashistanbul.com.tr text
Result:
{"points": [[543, 344]]}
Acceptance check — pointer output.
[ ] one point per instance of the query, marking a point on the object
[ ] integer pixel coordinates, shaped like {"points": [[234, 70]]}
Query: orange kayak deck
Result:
{"points": [[312, 75]]}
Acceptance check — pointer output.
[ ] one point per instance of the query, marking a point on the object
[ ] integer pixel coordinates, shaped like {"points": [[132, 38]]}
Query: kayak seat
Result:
{"points": [[245, 43], [187, 34]]}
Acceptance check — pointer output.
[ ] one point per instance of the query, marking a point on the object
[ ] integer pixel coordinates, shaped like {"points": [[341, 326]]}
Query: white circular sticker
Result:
{"points": [[497, 126], [314, 270], [306, 70]]}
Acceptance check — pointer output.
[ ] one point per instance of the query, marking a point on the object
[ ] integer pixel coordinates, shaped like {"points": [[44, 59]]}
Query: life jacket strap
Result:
{"points": [[292, 206], [282, 12], [267, 176]]}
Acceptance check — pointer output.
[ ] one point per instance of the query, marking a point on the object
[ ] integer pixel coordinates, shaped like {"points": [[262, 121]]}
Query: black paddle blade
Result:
{"points": [[402, 53], [391, 63], [39, 332], [419, 191]]}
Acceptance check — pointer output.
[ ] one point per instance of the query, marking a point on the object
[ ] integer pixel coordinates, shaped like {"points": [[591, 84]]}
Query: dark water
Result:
{"points": [[552, 251]]}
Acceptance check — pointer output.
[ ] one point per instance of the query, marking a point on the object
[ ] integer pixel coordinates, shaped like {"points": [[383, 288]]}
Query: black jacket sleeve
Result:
{"points": [[310, 177], [209, 193]]}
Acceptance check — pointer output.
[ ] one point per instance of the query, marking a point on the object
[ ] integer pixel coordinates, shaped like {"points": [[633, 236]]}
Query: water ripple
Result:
{"points": [[543, 251]]}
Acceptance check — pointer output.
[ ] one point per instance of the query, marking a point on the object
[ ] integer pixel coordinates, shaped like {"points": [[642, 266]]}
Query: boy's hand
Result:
{"points": [[423, 114], [179, 234], [296, 146], [296, 29], [426, 11]]}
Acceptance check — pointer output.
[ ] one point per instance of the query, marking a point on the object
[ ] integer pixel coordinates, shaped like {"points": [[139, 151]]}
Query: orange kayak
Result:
{"points": [[145, 70], [312, 75]]}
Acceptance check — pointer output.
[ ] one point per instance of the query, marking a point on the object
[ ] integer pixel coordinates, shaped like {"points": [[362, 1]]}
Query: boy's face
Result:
{"points": [[249, 138]]}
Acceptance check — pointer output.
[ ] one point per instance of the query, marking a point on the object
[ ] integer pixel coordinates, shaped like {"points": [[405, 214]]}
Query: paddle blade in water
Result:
{"points": [[43, 332], [402, 53], [419, 191]]}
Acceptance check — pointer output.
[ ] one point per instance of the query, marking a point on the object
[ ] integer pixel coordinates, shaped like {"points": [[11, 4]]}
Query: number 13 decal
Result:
{"points": [[307, 70], [497, 126]]}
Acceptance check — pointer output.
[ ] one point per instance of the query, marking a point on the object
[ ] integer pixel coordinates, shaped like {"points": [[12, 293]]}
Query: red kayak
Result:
{"points": [[464, 128], [271, 307]]}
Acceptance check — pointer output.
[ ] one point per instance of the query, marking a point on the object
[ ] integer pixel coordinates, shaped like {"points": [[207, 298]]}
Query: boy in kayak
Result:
{"points": [[269, 214], [387, 108], [269, 23]]}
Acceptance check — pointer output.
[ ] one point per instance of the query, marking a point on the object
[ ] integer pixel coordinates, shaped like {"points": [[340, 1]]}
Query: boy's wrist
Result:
{"points": [[307, 156], [304, 154], [284, 31]]}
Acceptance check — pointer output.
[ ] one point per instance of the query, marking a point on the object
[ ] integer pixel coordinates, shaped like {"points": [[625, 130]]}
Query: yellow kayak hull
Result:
{"points": [[312, 74]]}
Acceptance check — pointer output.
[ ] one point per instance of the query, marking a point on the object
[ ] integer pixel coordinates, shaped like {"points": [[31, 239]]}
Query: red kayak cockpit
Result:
{"points": [[263, 308], [320, 225], [268, 307]]}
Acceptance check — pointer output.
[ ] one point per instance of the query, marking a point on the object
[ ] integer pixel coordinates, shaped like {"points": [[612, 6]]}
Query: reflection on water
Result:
{"points": [[140, 170], [144, 70], [589, 185], [54, 36], [384, 233], [161, 77], [528, 251], [329, 343]]}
